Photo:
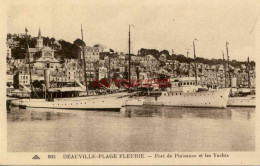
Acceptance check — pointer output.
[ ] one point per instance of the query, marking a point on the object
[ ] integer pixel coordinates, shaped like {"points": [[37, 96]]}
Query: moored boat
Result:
{"points": [[100, 102], [242, 97], [184, 93], [247, 101]]}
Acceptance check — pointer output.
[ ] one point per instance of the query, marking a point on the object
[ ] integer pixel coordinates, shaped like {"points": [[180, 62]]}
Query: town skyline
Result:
{"points": [[174, 28]]}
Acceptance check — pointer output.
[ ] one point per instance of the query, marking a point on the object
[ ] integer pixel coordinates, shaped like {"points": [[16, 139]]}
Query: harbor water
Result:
{"points": [[134, 129]]}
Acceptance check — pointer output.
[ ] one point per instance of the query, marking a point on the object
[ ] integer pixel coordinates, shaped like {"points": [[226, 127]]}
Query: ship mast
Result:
{"points": [[26, 36], [189, 63], [194, 52], [228, 65], [248, 70], [84, 60], [173, 67], [224, 69], [108, 74], [129, 59]]}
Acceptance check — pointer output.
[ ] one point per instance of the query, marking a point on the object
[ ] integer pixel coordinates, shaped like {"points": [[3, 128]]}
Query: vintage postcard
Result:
{"points": [[134, 82]]}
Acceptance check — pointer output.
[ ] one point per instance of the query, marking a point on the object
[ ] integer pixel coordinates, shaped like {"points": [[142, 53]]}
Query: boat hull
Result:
{"points": [[106, 102], [248, 101], [136, 101], [208, 99]]}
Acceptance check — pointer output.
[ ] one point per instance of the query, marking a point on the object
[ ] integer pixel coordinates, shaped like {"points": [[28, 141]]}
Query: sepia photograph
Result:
{"points": [[130, 77]]}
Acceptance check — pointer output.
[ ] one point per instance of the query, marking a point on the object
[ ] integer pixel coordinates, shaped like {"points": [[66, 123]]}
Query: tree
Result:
{"points": [[154, 52], [68, 50], [18, 53], [165, 52], [9, 36], [79, 42]]}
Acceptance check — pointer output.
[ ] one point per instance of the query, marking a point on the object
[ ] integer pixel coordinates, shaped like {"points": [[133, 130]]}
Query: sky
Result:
{"points": [[157, 24]]}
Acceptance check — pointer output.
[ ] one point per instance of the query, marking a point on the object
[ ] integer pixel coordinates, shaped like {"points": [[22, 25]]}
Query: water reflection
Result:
{"points": [[16, 114], [34, 114], [178, 113]]}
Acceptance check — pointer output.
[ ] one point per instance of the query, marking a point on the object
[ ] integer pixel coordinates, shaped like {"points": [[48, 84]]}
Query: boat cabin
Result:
{"points": [[184, 84]]}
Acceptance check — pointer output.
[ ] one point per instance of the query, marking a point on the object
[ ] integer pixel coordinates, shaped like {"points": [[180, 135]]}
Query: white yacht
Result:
{"points": [[99, 102], [183, 93]]}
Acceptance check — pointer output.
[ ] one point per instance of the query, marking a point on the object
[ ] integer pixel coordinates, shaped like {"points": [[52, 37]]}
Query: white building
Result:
{"points": [[102, 73], [10, 79], [91, 54], [24, 79], [234, 82], [9, 52], [121, 69], [149, 61]]}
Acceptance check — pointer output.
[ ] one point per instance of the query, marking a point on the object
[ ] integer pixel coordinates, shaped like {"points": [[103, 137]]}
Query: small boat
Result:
{"points": [[243, 97], [247, 101]]}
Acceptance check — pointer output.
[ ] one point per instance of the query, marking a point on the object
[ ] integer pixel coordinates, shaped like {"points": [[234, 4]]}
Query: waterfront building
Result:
{"points": [[121, 69], [71, 68], [133, 76], [149, 62], [102, 73], [41, 56], [9, 78], [24, 78], [9, 52], [91, 53]]}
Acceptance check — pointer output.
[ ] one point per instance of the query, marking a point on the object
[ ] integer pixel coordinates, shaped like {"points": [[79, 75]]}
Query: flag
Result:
{"points": [[26, 30]]}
